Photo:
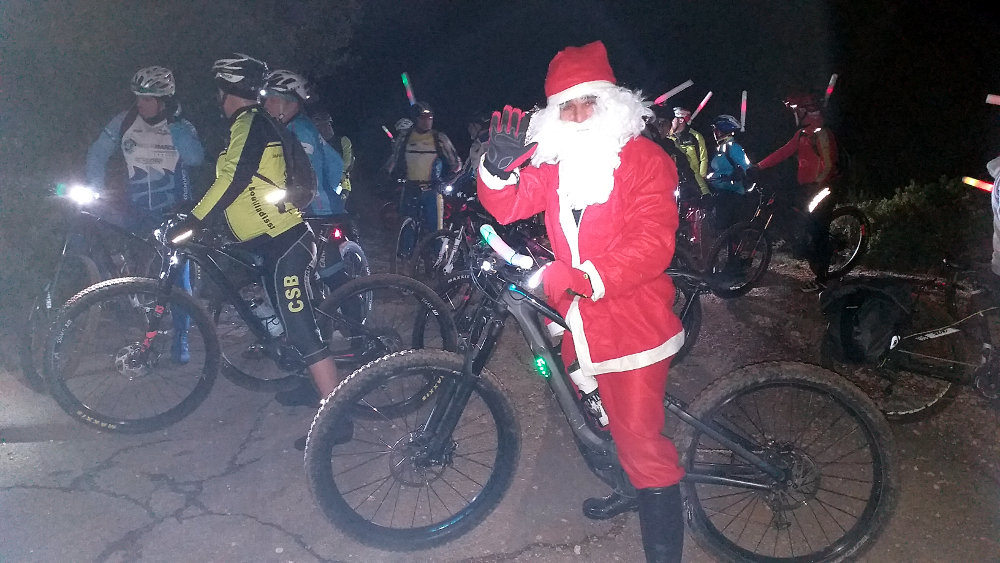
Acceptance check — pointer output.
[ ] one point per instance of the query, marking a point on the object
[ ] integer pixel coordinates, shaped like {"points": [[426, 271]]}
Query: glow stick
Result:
{"points": [[409, 89], [743, 112], [829, 88], [701, 105], [663, 97], [993, 99], [388, 134], [977, 183]]}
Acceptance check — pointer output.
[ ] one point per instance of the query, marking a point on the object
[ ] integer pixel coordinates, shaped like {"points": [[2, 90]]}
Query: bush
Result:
{"points": [[923, 223]]}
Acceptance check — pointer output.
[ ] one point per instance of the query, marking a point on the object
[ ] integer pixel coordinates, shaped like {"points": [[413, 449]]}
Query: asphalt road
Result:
{"points": [[225, 484]]}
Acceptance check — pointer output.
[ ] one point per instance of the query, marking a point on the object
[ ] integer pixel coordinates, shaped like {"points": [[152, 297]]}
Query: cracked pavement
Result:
{"points": [[225, 484]]}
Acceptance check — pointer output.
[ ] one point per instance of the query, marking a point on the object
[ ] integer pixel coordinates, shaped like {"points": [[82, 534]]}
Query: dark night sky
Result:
{"points": [[909, 101]]}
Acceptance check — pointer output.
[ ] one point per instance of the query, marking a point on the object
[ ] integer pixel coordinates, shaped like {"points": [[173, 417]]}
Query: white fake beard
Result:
{"points": [[588, 153]]}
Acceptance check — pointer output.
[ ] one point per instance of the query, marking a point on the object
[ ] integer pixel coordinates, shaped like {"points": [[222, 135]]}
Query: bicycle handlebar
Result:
{"points": [[504, 250]]}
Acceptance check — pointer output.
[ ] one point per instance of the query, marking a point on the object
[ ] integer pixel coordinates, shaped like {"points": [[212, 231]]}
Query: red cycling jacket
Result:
{"points": [[816, 149], [624, 245]]}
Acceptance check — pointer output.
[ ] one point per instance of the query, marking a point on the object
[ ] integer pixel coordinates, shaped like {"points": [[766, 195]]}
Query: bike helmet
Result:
{"points": [[153, 81], [403, 124], [287, 83], [421, 108], [240, 75], [684, 114], [726, 123], [806, 102]]}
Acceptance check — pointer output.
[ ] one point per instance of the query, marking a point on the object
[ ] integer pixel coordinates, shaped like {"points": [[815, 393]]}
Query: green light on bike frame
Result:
{"points": [[542, 367]]}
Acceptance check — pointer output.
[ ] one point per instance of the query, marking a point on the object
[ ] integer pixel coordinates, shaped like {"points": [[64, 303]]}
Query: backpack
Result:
{"points": [[863, 317], [300, 178]]}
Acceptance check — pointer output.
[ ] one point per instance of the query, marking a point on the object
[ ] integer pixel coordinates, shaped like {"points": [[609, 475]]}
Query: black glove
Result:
{"points": [[506, 150], [175, 229]]}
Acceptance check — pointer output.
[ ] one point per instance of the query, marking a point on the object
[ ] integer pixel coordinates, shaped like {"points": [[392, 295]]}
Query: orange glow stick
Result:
{"points": [[977, 183]]}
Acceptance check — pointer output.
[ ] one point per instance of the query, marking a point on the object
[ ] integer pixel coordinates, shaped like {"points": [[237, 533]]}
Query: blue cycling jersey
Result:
{"points": [[156, 156], [329, 167]]}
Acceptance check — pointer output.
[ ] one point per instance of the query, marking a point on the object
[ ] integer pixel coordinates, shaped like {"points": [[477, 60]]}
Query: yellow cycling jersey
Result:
{"points": [[254, 151]]}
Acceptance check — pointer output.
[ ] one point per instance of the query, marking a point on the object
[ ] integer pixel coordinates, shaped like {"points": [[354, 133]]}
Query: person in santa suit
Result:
{"points": [[607, 193]]}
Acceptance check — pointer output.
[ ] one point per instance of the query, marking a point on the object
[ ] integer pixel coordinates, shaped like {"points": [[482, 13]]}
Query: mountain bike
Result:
{"points": [[741, 254], [339, 255], [108, 358], [947, 336], [785, 461], [93, 249]]}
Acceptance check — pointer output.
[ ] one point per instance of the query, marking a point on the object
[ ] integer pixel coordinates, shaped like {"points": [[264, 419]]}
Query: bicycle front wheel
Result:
{"points": [[406, 241], [917, 378], [75, 273], [836, 451], [99, 372], [438, 255], [385, 484], [738, 259]]}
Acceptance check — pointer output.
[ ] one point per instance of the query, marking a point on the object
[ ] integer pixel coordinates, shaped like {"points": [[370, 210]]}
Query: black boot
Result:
{"points": [[305, 395], [602, 508], [661, 520]]}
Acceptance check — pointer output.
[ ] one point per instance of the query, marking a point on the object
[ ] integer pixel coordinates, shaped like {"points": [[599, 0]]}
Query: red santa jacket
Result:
{"points": [[624, 245]]}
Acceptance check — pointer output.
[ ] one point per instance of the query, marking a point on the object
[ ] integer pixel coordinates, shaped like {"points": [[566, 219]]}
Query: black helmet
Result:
{"points": [[240, 75], [421, 108]]}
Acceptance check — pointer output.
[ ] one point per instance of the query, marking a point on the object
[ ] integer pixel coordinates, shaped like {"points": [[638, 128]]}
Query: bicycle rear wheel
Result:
{"points": [[383, 485], [687, 307], [98, 373], [376, 315], [738, 259], [841, 479], [75, 273], [849, 234]]}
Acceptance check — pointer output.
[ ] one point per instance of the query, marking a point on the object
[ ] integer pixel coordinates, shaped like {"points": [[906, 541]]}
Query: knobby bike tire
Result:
{"points": [[732, 276], [433, 502], [687, 307], [858, 227], [102, 313], [35, 332], [355, 260], [903, 384], [400, 260], [823, 459], [383, 313]]}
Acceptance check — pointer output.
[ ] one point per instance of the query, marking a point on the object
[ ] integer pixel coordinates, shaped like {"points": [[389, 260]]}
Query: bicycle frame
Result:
{"points": [[597, 448]]}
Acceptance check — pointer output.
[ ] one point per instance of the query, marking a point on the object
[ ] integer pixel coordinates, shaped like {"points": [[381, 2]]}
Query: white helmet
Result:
{"points": [[403, 124], [288, 83], [153, 81]]}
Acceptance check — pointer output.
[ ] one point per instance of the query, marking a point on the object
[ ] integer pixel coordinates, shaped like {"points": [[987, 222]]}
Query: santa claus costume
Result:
{"points": [[607, 193]]}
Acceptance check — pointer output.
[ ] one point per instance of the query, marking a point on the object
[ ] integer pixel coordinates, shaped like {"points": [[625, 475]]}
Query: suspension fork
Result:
{"points": [[169, 273], [454, 397]]}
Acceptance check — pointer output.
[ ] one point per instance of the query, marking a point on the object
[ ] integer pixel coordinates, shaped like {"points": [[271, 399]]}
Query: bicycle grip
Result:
{"points": [[506, 252]]}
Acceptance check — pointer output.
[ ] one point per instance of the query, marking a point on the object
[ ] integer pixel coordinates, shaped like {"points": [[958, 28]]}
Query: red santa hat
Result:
{"points": [[578, 71]]}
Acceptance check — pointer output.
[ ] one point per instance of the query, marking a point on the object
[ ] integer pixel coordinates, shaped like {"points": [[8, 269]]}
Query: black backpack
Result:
{"points": [[863, 317], [300, 178]]}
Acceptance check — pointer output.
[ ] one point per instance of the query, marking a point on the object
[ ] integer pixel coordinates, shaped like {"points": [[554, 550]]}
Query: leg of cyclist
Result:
{"points": [[820, 252], [410, 205]]}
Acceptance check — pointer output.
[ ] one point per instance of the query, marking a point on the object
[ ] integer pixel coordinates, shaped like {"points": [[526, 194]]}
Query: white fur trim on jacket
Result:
{"points": [[581, 89], [596, 283], [615, 365], [494, 182]]}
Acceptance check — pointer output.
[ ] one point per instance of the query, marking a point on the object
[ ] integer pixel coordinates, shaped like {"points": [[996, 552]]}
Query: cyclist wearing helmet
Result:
{"points": [[692, 144], [159, 147], [285, 96], [247, 173], [815, 148], [727, 171], [423, 156]]}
